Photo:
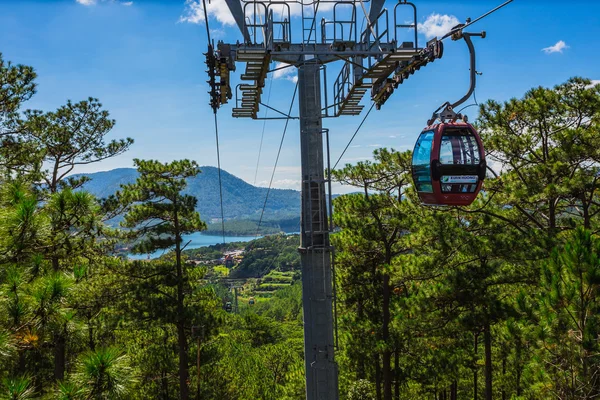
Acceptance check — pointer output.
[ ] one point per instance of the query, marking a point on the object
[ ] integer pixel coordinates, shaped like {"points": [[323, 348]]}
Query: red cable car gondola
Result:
{"points": [[448, 164]]}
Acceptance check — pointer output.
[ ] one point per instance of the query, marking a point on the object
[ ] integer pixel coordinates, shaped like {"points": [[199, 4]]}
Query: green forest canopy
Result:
{"points": [[496, 300]]}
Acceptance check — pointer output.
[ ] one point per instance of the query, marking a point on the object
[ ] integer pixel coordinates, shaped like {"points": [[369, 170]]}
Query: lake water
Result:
{"points": [[197, 240]]}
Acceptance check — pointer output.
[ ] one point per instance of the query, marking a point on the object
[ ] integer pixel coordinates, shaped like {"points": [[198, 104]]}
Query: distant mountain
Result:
{"points": [[241, 200]]}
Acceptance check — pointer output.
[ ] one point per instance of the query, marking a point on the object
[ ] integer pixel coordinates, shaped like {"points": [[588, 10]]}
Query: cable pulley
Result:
{"points": [[219, 64], [211, 63]]}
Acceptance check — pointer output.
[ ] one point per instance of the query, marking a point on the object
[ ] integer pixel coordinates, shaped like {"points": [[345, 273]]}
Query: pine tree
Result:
{"points": [[72, 136], [17, 85], [570, 319], [548, 146], [159, 215], [374, 226]]}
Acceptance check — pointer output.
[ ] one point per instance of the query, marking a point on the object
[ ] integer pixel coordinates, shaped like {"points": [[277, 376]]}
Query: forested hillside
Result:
{"points": [[497, 300]]}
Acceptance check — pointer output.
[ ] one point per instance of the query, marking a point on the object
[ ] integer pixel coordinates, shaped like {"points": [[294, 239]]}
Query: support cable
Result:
{"points": [[370, 26], [461, 27], [287, 121], [216, 132], [353, 136], [206, 19], [262, 135], [220, 181], [444, 37], [470, 105]]}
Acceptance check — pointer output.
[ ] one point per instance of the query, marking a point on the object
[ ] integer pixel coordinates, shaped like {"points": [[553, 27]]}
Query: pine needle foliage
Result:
{"points": [[159, 213], [105, 374]]}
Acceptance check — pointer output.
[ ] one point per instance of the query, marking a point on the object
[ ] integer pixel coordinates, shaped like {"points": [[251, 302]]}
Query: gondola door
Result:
{"points": [[421, 167]]}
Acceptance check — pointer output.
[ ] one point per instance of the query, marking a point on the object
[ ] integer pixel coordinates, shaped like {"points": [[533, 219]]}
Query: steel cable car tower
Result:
{"points": [[372, 59]]}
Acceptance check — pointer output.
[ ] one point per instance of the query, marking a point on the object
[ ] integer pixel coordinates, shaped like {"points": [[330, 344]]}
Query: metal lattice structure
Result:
{"points": [[374, 60]]}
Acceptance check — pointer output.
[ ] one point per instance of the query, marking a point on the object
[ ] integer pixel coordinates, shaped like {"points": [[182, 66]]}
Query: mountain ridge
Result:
{"points": [[241, 200]]}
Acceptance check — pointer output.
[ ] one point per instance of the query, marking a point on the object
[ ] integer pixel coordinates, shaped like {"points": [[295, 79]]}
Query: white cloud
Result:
{"points": [[194, 12], [282, 72], [282, 184], [392, 136], [217, 33], [94, 2], [297, 170], [296, 10], [593, 83], [557, 48], [288, 73], [355, 159], [437, 25], [374, 145], [494, 164]]}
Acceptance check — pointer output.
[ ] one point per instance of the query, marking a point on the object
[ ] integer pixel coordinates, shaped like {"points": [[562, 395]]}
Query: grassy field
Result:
{"points": [[263, 289]]}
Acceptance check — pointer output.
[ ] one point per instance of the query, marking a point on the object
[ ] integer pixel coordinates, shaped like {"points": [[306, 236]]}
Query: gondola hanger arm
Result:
{"points": [[446, 110], [457, 33]]}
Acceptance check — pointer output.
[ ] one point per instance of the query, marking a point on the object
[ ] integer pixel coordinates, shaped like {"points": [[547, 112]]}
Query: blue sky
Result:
{"points": [[143, 60]]}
